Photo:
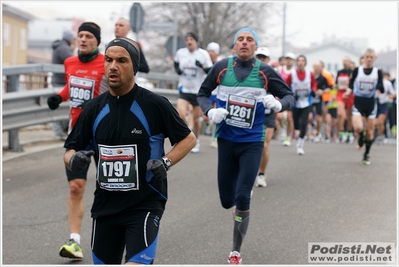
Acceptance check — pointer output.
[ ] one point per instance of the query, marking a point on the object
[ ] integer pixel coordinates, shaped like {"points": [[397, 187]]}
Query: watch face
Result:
{"points": [[167, 162]]}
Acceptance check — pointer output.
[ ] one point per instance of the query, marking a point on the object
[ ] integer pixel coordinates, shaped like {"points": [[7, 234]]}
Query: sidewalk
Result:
{"points": [[32, 140]]}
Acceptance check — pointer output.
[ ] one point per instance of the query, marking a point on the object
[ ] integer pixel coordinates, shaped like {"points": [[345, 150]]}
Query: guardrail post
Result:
{"points": [[162, 84], [13, 83], [13, 141], [13, 135]]}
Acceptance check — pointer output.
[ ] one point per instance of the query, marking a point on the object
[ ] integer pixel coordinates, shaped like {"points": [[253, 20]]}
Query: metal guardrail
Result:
{"points": [[23, 109]]}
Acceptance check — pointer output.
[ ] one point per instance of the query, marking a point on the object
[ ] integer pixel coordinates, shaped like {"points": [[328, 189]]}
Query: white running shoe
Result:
{"points": [[196, 149], [317, 138], [260, 181], [214, 143], [234, 258], [300, 151], [286, 142], [344, 138], [350, 139]]}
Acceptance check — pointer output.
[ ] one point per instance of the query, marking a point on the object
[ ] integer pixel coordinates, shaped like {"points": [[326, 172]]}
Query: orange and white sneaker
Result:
{"points": [[234, 258]]}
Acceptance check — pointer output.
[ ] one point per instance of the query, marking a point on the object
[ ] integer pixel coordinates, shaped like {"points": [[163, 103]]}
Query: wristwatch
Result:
{"points": [[167, 163]]}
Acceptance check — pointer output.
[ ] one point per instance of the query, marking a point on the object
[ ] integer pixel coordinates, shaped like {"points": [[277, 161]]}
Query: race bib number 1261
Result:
{"points": [[241, 111]]}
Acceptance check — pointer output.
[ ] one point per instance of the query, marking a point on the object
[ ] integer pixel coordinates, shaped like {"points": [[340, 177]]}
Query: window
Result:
{"points": [[6, 34], [22, 39]]}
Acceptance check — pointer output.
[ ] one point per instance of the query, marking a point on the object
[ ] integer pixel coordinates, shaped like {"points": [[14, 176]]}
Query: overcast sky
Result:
{"points": [[307, 22]]}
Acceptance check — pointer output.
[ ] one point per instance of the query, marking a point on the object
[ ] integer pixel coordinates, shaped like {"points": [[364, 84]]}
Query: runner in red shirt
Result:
{"points": [[84, 76], [344, 102]]}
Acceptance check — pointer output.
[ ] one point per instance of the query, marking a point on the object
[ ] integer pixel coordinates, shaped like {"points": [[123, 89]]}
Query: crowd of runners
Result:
{"points": [[245, 99]]}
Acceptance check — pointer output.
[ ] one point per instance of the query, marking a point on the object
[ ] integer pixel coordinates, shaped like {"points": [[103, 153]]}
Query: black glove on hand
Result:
{"points": [[54, 101], [198, 64], [80, 160], [157, 168]]}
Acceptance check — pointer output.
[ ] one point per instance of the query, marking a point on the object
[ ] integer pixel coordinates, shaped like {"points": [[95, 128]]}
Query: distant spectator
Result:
{"points": [[274, 64], [382, 107], [352, 65], [122, 28], [281, 61], [263, 54], [232, 51], [214, 51], [392, 109], [62, 49]]}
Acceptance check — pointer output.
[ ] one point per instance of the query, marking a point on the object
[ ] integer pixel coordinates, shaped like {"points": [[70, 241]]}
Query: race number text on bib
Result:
{"points": [[343, 82], [241, 111], [81, 91], [190, 72], [366, 87], [303, 93], [117, 168]]}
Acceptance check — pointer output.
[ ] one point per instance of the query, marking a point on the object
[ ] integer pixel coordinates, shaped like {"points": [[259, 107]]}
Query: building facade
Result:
{"points": [[15, 35]]}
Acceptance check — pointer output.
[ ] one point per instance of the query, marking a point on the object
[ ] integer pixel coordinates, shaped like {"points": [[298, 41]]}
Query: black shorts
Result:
{"points": [[135, 230], [382, 109], [366, 107], [270, 120], [318, 107], [333, 112], [191, 98]]}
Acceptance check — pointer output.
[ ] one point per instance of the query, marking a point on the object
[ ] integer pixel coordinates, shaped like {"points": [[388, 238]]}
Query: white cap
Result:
{"points": [[262, 51], [214, 46], [290, 55]]}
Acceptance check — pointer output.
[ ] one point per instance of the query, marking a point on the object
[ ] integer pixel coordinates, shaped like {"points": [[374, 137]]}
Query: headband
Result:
{"points": [[192, 35], [246, 30], [92, 30], [131, 48]]}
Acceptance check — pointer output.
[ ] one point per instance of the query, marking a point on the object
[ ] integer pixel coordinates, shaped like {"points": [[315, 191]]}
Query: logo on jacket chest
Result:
{"points": [[136, 131]]}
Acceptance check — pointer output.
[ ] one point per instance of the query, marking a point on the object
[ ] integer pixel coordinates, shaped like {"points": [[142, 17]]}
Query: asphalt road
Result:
{"points": [[324, 196]]}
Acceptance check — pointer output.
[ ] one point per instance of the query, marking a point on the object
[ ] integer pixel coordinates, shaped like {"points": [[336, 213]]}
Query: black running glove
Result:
{"points": [[54, 101], [198, 63], [177, 68], [80, 160], [157, 167]]}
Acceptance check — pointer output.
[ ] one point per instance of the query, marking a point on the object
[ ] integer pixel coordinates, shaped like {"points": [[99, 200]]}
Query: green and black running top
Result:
{"points": [[125, 132], [239, 84]]}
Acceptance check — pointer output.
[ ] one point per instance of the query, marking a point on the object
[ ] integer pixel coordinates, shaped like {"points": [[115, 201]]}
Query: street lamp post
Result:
{"points": [[284, 13]]}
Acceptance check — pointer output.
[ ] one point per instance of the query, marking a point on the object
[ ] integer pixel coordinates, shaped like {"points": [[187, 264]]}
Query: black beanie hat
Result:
{"points": [[193, 35]]}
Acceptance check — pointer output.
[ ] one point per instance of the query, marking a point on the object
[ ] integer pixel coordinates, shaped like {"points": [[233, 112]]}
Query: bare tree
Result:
{"points": [[211, 21]]}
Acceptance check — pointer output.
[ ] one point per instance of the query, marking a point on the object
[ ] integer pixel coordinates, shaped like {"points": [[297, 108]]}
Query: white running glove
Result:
{"points": [[217, 114], [270, 102]]}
